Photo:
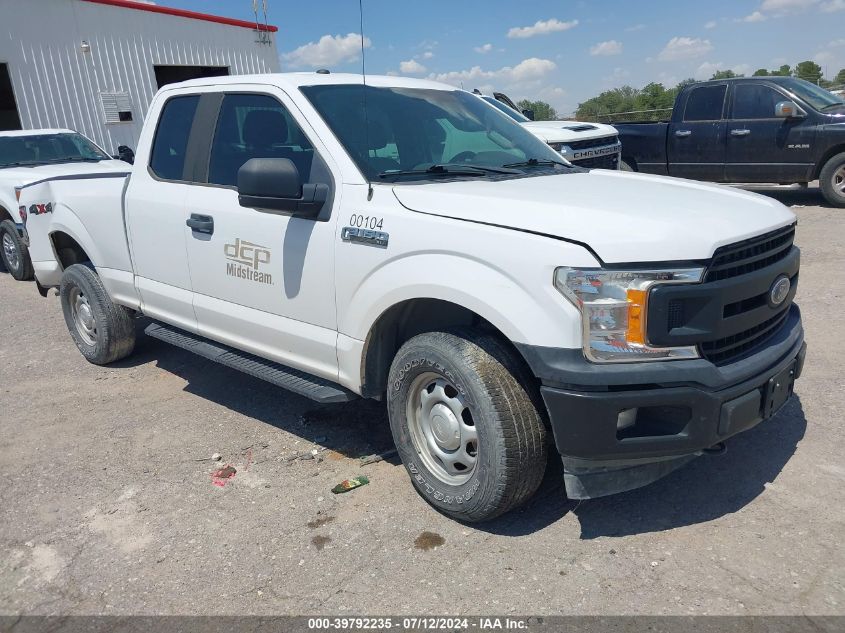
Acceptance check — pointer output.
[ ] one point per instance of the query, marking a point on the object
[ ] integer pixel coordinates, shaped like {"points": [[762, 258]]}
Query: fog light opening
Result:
{"points": [[626, 419]]}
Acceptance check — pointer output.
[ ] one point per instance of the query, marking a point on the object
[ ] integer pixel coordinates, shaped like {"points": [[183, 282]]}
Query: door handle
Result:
{"points": [[683, 133], [740, 132], [201, 223]]}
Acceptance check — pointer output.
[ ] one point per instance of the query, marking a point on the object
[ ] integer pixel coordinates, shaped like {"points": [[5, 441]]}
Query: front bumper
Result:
{"points": [[682, 409]]}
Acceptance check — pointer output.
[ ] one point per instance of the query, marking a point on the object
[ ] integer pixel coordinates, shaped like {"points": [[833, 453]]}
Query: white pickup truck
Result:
{"points": [[28, 156], [588, 145], [500, 301]]}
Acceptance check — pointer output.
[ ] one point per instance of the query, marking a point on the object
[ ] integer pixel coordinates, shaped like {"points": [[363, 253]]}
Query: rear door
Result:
{"points": [[762, 147], [263, 280], [156, 211], [696, 141]]}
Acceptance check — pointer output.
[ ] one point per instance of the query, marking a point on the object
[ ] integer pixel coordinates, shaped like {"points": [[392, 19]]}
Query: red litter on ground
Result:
{"points": [[220, 476]]}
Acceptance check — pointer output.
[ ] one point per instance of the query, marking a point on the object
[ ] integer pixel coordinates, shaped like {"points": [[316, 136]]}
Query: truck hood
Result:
{"points": [[568, 131], [19, 176], [621, 216]]}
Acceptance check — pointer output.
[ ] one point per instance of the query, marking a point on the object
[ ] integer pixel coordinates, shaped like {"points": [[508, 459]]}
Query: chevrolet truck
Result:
{"points": [[403, 241], [781, 130]]}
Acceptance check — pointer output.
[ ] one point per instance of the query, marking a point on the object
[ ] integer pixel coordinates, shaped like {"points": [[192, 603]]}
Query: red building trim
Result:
{"points": [[182, 13]]}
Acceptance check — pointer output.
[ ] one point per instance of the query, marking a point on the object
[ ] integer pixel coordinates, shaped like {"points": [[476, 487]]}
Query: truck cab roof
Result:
{"points": [[300, 79]]}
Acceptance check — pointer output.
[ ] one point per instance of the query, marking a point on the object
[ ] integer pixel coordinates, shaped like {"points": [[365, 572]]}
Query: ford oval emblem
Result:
{"points": [[779, 291]]}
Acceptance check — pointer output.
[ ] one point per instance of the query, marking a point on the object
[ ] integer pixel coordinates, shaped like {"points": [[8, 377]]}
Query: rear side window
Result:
{"points": [[255, 126], [755, 101], [171, 140], [705, 103]]}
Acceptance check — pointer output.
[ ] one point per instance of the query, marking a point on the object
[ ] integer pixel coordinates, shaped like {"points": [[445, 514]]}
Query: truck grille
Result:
{"points": [[611, 161], [730, 314], [593, 142]]}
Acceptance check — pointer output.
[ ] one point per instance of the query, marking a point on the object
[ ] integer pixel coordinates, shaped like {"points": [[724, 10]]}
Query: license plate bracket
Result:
{"points": [[777, 391]]}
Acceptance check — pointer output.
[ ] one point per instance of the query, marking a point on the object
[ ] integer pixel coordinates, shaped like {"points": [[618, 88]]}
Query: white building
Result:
{"points": [[94, 65]]}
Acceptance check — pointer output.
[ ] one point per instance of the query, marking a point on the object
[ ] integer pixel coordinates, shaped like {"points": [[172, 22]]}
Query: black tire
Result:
{"points": [[832, 180], [113, 335], [511, 436], [20, 265]]}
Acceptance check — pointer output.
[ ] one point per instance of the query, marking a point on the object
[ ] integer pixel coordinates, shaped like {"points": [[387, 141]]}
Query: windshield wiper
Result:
{"points": [[447, 170], [74, 159], [535, 162]]}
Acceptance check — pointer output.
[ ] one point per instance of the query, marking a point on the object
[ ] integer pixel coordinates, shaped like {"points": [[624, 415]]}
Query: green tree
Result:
{"points": [[808, 70], [725, 74], [542, 110], [761, 72], [783, 71], [840, 78]]}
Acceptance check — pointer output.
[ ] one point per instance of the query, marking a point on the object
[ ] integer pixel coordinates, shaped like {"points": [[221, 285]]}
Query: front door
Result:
{"points": [[696, 143], [761, 146], [263, 281]]}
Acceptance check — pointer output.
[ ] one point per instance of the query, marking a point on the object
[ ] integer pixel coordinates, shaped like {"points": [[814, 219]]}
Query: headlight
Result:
{"points": [[614, 307], [558, 147]]}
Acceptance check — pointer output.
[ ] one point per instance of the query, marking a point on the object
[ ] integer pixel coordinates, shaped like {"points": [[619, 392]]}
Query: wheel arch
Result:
{"points": [[830, 153]]}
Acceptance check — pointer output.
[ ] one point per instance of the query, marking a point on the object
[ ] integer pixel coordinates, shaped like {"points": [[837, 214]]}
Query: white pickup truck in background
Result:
{"points": [[27, 156], [427, 250], [588, 145]]}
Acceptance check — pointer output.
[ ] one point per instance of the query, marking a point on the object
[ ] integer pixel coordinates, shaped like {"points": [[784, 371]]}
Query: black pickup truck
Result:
{"points": [[749, 130]]}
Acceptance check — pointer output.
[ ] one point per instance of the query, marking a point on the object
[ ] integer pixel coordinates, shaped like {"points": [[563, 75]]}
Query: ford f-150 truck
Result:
{"points": [[495, 297], [588, 145], [780, 130], [28, 156]]}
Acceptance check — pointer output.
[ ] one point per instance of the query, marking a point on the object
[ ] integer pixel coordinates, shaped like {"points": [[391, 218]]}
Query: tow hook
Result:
{"points": [[717, 449]]}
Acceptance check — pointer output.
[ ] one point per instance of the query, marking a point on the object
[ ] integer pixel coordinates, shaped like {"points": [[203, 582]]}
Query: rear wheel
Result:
{"points": [[466, 428], [832, 180], [14, 252], [103, 332]]}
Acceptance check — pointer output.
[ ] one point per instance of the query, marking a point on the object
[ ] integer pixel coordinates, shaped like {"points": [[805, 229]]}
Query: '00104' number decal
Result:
{"points": [[366, 222]]}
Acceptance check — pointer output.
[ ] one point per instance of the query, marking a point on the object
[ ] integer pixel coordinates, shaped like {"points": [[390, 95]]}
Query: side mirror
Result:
{"points": [[528, 114], [788, 110], [125, 153], [274, 184]]}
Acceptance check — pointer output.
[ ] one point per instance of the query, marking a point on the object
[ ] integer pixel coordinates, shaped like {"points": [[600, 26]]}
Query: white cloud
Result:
{"points": [[527, 69], [485, 48], [610, 47], [427, 55], [822, 57], [835, 43], [328, 51], [541, 27], [753, 17], [786, 5], [833, 5], [712, 24], [411, 67], [618, 75], [635, 27], [679, 48]]}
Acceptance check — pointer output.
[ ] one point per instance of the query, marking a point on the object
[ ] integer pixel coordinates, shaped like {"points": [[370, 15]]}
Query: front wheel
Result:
{"points": [[103, 332], [832, 180], [14, 252], [467, 430]]}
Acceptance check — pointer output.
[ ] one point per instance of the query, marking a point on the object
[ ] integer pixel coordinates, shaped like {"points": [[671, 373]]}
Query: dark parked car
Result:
{"points": [[756, 129]]}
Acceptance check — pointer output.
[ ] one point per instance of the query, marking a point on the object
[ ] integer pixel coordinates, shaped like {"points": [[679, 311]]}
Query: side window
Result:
{"points": [[755, 101], [705, 103], [255, 126], [167, 159]]}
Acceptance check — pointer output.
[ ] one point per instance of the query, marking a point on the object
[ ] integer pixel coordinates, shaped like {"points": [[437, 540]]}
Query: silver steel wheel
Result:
{"points": [[83, 317], [442, 429], [10, 250], [839, 180]]}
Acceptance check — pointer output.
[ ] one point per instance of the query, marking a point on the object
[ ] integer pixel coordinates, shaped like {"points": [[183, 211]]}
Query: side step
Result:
{"points": [[286, 377]]}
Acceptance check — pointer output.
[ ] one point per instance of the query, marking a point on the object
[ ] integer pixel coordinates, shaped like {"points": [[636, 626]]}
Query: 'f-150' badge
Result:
{"points": [[364, 236]]}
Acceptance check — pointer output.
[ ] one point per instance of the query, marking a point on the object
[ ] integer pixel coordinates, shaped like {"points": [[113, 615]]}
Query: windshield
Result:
{"points": [[516, 116], [817, 97], [42, 149], [412, 130]]}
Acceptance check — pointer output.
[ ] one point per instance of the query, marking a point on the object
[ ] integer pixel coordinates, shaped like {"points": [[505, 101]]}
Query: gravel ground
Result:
{"points": [[109, 507]]}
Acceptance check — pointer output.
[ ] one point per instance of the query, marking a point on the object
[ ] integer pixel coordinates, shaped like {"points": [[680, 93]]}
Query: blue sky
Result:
{"points": [[561, 52]]}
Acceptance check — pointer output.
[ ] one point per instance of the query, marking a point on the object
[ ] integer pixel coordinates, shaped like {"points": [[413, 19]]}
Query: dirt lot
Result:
{"points": [[108, 504]]}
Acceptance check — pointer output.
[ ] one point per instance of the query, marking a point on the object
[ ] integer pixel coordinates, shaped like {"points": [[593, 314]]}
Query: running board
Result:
{"points": [[288, 378]]}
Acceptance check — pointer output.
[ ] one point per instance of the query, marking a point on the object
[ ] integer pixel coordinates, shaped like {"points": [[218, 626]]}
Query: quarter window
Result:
{"points": [[705, 103], [255, 126], [755, 101], [171, 140]]}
